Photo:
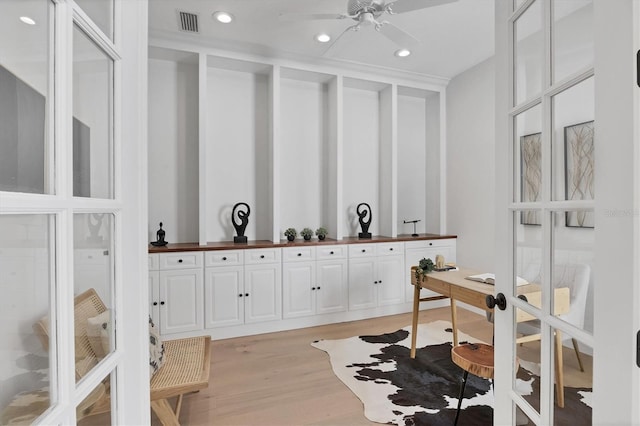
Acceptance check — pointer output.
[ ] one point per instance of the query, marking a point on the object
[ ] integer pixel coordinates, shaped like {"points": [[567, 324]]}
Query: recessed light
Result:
{"points": [[223, 17], [323, 38], [402, 53], [27, 20]]}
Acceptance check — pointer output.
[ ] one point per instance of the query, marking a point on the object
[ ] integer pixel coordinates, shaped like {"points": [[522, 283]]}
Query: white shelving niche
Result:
{"points": [[173, 144], [307, 151], [237, 148], [419, 155]]}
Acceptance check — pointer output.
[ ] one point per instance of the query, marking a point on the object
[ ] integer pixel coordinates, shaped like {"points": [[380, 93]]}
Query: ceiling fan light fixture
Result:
{"points": [[402, 53], [323, 38], [223, 17]]}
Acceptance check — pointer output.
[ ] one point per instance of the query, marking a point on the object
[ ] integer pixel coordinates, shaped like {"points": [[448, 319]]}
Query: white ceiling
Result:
{"points": [[453, 37]]}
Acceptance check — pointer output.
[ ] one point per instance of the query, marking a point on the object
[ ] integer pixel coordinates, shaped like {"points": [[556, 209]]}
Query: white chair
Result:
{"points": [[575, 276]]}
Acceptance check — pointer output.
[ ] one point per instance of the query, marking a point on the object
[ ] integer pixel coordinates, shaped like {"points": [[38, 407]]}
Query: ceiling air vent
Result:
{"points": [[188, 22]]}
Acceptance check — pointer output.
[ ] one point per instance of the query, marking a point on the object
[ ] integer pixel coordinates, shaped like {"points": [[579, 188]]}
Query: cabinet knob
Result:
{"points": [[246, 295], [240, 295], [179, 260], [313, 288], [331, 253], [364, 250], [318, 288], [430, 244], [299, 254], [262, 256], [162, 303], [155, 303], [390, 248], [380, 282], [375, 282], [224, 258]]}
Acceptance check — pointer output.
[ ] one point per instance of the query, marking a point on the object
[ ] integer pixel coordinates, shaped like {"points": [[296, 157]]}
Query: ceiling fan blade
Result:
{"points": [[331, 48], [402, 6], [398, 36], [311, 16]]}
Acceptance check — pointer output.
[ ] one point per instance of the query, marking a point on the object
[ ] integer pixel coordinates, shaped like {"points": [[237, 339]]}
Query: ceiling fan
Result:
{"points": [[370, 13]]}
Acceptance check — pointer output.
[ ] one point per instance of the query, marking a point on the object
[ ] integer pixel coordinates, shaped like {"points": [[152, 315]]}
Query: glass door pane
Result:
{"points": [[527, 162], [101, 12], [26, 279], [92, 119], [26, 154], [93, 290], [572, 37], [528, 53]]}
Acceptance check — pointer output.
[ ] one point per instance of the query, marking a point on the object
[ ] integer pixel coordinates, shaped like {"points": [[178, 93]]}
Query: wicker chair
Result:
{"points": [[185, 368]]}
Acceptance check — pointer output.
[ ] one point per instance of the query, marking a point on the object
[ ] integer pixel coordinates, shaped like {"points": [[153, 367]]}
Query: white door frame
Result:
{"points": [[617, 207]]}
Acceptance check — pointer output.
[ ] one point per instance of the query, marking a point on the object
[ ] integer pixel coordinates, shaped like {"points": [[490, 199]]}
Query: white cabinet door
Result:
{"points": [[362, 290], [332, 291], [263, 293], [298, 289], [181, 307], [390, 280], [154, 297], [224, 296]]}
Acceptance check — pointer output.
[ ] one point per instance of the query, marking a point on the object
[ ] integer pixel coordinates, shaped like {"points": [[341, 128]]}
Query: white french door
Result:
{"points": [[567, 149], [72, 209]]}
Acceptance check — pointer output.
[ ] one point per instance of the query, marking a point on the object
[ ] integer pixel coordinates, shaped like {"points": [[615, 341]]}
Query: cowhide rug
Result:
{"points": [[396, 389]]}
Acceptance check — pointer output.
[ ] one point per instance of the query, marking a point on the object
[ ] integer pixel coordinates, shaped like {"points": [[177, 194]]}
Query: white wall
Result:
{"points": [[470, 165]]}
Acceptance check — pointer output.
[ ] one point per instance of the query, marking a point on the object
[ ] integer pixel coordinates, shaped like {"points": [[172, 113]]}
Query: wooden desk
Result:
{"points": [[454, 286]]}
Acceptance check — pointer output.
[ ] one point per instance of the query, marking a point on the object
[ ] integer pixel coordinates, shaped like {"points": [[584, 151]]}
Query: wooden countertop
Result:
{"points": [[230, 245]]}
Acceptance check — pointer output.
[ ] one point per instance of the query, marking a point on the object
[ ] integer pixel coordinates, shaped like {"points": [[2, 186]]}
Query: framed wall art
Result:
{"points": [[579, 167], [530, 176]]}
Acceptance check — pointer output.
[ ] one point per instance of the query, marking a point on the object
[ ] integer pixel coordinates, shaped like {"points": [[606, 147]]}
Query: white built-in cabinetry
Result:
{"points": [[242, 287], [176, 291], [314, 280], [237, 292], [302, 144], [376, 275]]}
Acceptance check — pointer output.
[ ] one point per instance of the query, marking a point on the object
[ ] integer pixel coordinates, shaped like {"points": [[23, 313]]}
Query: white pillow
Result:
{"points": [[98, 331], [156, 349]]}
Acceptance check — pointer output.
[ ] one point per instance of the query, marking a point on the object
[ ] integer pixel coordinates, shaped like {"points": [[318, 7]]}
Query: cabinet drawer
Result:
{"points": [[447, 242], [389, 249], [154, 262], [295, 254], [331, 252], [224, 258], [181, 260], [362, 250], [252, 257]]}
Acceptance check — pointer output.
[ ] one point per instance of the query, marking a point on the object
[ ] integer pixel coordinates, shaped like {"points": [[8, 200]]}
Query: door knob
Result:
{"points": [[500, 301]]}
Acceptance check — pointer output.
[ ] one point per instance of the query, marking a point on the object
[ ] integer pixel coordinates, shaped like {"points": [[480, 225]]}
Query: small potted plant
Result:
{"points": [[424, 267], [321, 233], [306, 233], [290, 233]]}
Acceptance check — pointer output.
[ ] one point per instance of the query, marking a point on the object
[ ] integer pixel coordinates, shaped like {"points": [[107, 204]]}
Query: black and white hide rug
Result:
{"points": [[396, 389]]}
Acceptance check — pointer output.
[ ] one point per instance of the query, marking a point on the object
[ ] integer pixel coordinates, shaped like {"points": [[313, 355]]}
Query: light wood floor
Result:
{"points": [[280, 379]]}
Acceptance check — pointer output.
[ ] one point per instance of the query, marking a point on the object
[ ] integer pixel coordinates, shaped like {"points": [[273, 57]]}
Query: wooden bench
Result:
{"points": [[185, 368]]}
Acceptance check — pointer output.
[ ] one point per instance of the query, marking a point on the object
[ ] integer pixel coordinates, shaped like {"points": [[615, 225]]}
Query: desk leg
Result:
{"points": [[454, 322], [414, 320], [559, 372]]}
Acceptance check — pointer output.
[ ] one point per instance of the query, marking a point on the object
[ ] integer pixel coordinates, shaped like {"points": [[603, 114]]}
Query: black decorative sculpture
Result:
{"points": [[415, 234], [364, 224], [244, 220], [159, 238]]}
